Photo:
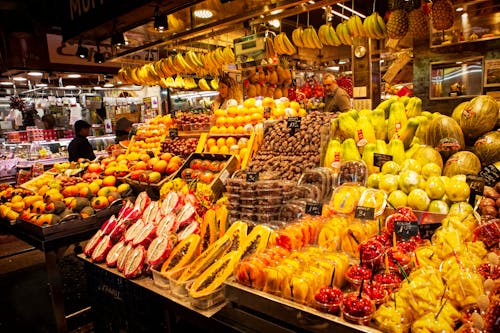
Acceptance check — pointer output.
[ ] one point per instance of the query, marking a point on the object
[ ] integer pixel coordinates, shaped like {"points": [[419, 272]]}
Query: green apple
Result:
{"points": [[408, 181], [435, 188], [398, 199], [390, 167], [418, 199], [388, 183], [457, 190], [431, 169], [373, 180], [438, 206], [461, 208], [411, 164]]}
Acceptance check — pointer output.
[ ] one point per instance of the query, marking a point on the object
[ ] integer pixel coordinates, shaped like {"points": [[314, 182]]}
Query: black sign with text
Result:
{"points": [[476, 185], [366, 213], [294, 122], [380, 159], [314, 208], [405, 230], [252, 177], [427, 230], [490, 174], [173, 132]]}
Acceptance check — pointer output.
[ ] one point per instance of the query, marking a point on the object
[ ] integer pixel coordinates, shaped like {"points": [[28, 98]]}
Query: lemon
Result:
{"points": [[435, 188], [390, 167], [411, 164], [418, 199], [388, 183], [398, 199], [431, 169]]}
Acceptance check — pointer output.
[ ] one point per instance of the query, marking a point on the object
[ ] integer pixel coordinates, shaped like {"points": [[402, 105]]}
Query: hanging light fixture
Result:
{"points": [[98, 56], [117, 38], [160, 23], [82, 52]]}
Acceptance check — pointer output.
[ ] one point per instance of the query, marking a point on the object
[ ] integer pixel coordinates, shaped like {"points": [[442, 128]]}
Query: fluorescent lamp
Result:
{"points": [[70, 87], [41, 85], [203, 13], [6, 83], [340, 15], [275, 23], [333, 68], [74, 76], [276, 11], [19, 78], [460, 9], [108, 85], [351, 10], [35, 73]]}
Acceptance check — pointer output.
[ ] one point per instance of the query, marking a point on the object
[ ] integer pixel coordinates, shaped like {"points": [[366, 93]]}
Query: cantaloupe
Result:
{"points": [[446, 136], [462, 163], [478, 116], [487, 148]]}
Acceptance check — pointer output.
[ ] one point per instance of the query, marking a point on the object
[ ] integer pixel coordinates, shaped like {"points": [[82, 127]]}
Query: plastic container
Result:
{"points": [[290, 212], [206, 302], [266, 217], [248, 216], [355, 274], [267, 209], [353, 305], [178, 289], [160, 279], [373, 198], [307, 191], [247, 194], [489, 232], [345, 199], [268, 187], [352, 172], [248, 201], [234, 214], [247, 209], [372, 253], [333, 308], [269, 200]]}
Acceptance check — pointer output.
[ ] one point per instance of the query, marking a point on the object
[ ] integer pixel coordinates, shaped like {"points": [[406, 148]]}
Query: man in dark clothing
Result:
{"points": [[122, 129], [336, 98], [80, 147]]}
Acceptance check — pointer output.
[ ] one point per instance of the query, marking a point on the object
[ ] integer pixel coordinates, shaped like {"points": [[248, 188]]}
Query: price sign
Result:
{"points": [[173, 132], [490, 174], [476, 185], [380, 159], [267, 112], [293, 122], [252, 177], [428, 229], [366, 213], [405, 229], [314, 208]]}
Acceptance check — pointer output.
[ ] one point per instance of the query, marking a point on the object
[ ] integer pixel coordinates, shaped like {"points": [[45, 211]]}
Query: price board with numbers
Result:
{"points": [[314, 208]]}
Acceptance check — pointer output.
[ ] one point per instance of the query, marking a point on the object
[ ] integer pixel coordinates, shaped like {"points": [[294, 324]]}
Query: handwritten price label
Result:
{"points": [[314, 208]]}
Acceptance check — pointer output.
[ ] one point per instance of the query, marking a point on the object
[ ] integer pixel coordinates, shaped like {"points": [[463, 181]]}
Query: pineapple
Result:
{"points": [[442, 14], [418, 23], [397, 26], [406, 5]]}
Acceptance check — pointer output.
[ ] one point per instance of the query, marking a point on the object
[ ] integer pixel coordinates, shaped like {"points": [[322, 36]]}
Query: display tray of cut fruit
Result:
{"points": [[51, 227], [211, 169], [293, 313], [34, 184]]}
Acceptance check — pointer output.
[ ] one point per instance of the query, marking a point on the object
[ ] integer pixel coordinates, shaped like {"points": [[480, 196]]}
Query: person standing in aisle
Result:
{"points": [[228, 89], [336, 98], [80, 146], [123, 127]]}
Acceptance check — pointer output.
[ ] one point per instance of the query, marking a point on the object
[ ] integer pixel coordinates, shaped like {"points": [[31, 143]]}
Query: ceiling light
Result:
{"points": [[276, 11], [333, 68], [351, 10], [19, 78], [203, 13], [35, 73], [82, 52], [343, 61], [460, 9], [97, 88], [74, 76], [98, 56], [6, 83], [340, 15], [108, 85], [41, 85], [160, 21], [70, 87], [275, 23]]}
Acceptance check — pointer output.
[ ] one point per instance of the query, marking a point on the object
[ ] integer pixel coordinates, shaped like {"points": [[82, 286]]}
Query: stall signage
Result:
{"points": [[365, 213], [490, 174], [380, 159], [293, 122], [476, 185], [405, 230], [314, 208], [252, 177], [427, 230], [173, 132]]}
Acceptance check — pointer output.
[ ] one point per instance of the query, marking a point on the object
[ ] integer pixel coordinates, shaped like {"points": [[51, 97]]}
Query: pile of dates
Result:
{"points": [[292, 151]]}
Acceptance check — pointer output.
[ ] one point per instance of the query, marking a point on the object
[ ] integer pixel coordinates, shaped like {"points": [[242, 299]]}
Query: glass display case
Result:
{"points": [[460, 78]]}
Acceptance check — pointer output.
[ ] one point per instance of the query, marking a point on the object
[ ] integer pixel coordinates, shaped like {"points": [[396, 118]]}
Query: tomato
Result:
{"points": [[187, 173], [196, 174], [205, 165], [214, 166], [222, 165], [195, 164], [207, 177]]}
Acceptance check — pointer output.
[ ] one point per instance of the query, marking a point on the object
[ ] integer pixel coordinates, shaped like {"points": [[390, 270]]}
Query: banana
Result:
{"points": [[287, 44], [297, 37], [202, 83], [376, 27], [315, 39], [214, 83], [347, 35], [270, 49], [228, 55], [332, 35], [322, 35], [359, 26], [381, 25], [219, 56], [278, 47], [210, 60], [368, 28], [188, 58], [340, 35], [351, 27], [194, 60], [177, 65]]}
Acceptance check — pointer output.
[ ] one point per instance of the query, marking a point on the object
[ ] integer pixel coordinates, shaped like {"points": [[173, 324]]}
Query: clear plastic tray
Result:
{"points": [[269, 200], [266, 217], [267, 209], [160, 279], [290, 212], [345, 199], [373, 198], [209, 301], [178, 289], [353, 172]]}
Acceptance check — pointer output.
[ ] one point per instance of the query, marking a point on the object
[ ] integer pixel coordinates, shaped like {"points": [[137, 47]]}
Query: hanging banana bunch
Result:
{"points": [[374, 26], [282, 45]]}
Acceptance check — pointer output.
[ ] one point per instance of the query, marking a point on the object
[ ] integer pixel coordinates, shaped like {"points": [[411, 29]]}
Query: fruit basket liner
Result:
{"points": [[68, 227], [284, 310], [218, 185], [153, 190], [99, 270]]}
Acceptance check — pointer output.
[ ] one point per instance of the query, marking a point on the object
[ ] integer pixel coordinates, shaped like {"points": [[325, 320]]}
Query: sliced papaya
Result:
{"points": [[215, 275], [208, 231], [256, 240], [221, 214], [182, 254], [237, 233], [206, 258]]}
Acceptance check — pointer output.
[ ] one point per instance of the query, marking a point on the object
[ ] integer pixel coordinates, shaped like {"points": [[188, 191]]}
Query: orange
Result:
{"points": [[232, 111], [247, 119], [220, 113], [176, 160], [213, 150], [256, 117], [144, 157], [223, 130], [294, 105], [230, 121], [224, 150], [240, 130], [243, 142], [221, 142], [160, 166], [249, 102], [231, 129], [166, 156], [243, 152], [238, 120], [211, 142], [221, 121], [141, 165], [230, 141], [214, 129]]}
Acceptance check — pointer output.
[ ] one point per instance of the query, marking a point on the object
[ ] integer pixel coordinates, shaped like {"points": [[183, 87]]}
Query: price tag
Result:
{"points": [[267, 112], [252, 177], [293, 122], [380, 159], [173, 132], [428, 229], [366, 213], [476, 185], [490, 174], [314, 208], [405, 229]]}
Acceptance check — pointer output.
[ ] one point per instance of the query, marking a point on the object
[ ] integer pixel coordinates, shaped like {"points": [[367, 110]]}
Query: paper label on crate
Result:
{"points": [[366, 213], [294, 122], [406, 229], [380, 159], [490, 174], [173, 132], [252, 177], [314, 208], [224, 175]]}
